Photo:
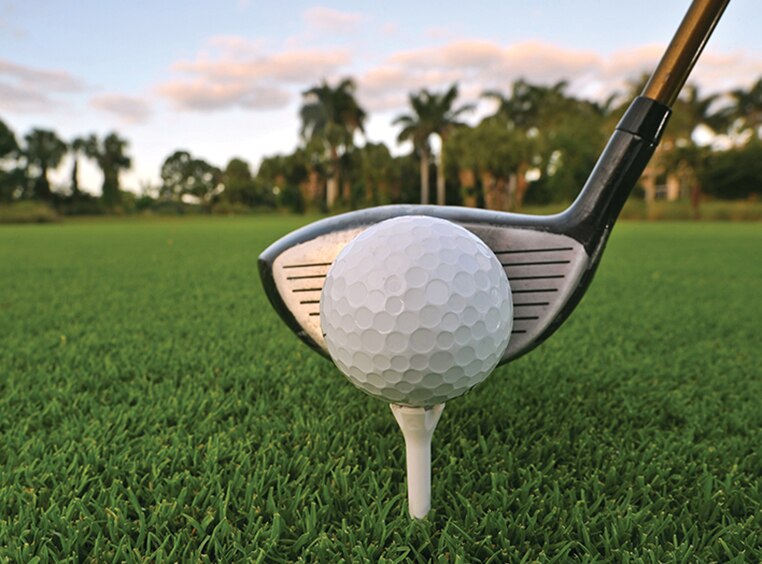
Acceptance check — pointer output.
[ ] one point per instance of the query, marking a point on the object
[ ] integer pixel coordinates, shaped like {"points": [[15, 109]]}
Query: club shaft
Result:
{"points": [[683, 51]]}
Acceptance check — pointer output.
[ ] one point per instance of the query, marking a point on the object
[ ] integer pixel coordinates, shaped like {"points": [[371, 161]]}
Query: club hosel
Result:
{"points": [[617, 171]]}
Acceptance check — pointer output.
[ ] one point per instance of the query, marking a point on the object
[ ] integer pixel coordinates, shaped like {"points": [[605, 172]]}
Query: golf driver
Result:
{"points": [[547, 265], [550, 260]]}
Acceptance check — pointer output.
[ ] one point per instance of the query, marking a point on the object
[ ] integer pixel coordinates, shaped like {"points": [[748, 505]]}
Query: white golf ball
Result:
{"points": [[416, 311]]}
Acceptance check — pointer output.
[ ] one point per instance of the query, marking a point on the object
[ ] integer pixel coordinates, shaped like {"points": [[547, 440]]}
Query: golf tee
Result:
{"points": [[417, 425]]}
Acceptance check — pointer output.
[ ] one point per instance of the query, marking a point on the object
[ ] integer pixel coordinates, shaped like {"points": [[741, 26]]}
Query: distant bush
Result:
{"points": [[734, 174], [230, 208], [83, 204], [712, 210], [171, 207], [28, 212]]}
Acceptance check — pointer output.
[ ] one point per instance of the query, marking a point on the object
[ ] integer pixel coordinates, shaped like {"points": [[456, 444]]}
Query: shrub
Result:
{"points": [[28, 212], [230, 208]]}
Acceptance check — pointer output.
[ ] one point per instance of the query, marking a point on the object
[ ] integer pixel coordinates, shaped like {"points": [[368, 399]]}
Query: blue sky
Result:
{"points": [[222, 79]]}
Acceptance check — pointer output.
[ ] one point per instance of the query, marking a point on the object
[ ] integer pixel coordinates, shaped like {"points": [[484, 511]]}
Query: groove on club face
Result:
{"points": [[543, 269]]}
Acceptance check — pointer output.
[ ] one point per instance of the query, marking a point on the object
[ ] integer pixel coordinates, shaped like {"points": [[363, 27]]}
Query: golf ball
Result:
{"points": [[416, 310]]}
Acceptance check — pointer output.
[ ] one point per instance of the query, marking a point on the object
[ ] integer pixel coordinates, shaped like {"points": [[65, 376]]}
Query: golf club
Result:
{"points": [[550, 260]]}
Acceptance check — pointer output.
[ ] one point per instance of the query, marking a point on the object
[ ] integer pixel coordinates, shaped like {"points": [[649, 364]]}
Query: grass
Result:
{"points": [[153, 407]]}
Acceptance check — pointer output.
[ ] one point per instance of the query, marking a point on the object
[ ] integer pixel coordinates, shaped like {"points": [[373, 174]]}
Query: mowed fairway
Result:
{"points": [[153, 407]]}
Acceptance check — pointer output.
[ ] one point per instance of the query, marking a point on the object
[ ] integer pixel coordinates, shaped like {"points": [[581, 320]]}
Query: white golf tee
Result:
{"points": [[418, 424]]}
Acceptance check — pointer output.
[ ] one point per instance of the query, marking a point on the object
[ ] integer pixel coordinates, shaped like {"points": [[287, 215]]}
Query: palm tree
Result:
{"points": [[747, 107], [77, 147], [433, 114], [684, 159], [332, 115], [535, 111], [44, 150], [110, 154], [417, 128]]}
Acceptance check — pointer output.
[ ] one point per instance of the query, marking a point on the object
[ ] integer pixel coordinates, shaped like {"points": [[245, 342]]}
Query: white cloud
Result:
{"points": [[18, 99], [234, 72], [41, 78], [482, 65], [129, 109], [29, 89], [288, 66], [205, 96]]}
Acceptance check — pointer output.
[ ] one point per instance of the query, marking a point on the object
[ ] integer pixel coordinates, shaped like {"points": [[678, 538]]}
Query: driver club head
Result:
{"points": [[549, 260]]}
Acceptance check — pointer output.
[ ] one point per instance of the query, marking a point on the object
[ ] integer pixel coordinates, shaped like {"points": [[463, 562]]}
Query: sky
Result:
{"points": [[224, 79]]}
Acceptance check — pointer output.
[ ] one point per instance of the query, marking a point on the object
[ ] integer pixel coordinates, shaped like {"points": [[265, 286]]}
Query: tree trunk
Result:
{"points": [[75, 178], [42, 186], [673, 187], [512, 192], [441, 177], [648, 181], [424, 177], [313, 192], [332, 186], [490, 195], [696, 200], [110, 194], [346, 193], [467, 180], [369, 190], [521, 186], [382, 192]]}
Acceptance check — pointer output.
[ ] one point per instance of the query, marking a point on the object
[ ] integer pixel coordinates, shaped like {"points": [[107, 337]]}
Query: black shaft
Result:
{"points": [[620, 165]]}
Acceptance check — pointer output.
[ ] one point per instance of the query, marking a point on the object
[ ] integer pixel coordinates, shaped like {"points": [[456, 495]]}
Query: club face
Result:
{"points": [[545, 269]]}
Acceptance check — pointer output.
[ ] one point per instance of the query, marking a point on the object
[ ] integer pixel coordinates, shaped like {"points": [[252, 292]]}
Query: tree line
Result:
{"points": [[538, 147]]}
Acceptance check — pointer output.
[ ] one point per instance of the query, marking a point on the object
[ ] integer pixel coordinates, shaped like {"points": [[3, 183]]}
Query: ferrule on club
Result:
{"points": [[417, 425]]}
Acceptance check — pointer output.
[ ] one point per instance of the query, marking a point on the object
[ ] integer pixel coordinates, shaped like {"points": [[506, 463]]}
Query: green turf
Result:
{"points": [[153, 407]]}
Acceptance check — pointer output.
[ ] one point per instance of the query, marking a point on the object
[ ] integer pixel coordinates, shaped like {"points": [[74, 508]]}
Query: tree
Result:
{"points": [[8, 144], [747, 107], [417, 128], [527, 109], [570, 147], [735, 173], [9, 174], [44, 150], [379, 175], [332, 116], [77, 147], [464, 158], [678, 161], [289, 178], [173, 175], [184, 175], [110, 154], [433, 114], [238, 182], [203, 182], [504, 150]]}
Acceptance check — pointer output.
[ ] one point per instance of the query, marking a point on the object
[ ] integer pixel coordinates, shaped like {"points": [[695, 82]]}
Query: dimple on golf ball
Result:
{"points": [[416, 310]]}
